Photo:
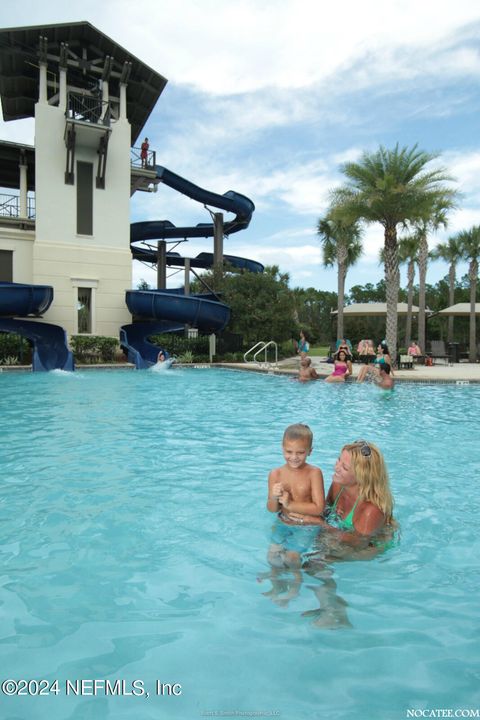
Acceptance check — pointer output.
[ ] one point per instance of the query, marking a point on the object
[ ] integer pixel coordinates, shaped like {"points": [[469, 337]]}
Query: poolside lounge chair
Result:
{"points": [[438, 351], [406, 362]]}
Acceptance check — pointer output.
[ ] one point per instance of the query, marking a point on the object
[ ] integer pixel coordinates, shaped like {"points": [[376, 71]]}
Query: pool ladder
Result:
{"points": [[260, 347]]}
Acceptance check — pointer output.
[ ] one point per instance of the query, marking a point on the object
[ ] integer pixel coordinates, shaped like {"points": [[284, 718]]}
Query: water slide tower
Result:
{"points": [[68, 222]]}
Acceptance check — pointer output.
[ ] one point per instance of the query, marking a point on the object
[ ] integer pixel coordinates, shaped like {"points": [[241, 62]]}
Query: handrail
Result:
{"points": [[10, 206], [262, 347]]}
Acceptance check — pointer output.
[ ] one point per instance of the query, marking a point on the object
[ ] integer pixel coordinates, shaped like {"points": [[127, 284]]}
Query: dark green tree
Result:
{"points": [[262, 304]]}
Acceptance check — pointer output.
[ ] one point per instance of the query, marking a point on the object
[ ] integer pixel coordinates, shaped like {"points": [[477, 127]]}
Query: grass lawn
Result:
{"points": [[319, 350]]}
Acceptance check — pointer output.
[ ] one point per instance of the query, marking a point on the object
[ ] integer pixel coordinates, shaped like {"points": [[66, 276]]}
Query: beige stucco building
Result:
{"points": [[65, 203]]}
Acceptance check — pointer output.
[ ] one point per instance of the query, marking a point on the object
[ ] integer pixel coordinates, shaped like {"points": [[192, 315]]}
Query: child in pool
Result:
{"points": [[297, 486], [307, 372]]}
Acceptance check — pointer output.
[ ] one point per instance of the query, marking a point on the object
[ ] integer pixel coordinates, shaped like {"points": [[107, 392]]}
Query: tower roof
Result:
{"points": [[90, 55]]}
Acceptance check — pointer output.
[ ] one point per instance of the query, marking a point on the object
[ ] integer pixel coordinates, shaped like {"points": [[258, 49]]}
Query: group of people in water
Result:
{"points": [[354, 520], [358, 504], [377, 363]]}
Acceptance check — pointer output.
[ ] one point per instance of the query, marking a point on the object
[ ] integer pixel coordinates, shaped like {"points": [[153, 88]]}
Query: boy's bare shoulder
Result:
{"points": [[313, 469], [276, 472]]}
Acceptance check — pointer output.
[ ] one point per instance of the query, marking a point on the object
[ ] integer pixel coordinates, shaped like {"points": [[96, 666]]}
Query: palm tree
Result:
{"points": [[469, 243], [408, 253], [437, 219], [341, 245], [393, 187], [450, 253]]}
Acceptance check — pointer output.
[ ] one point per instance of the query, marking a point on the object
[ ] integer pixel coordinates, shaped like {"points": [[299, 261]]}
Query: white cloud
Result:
{"points": [[240, 46]]}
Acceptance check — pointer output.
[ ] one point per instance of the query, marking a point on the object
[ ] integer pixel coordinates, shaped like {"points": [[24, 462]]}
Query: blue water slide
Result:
{"points": [[204, 312], [167, 311], [17, 300], [203, 260], [230, 201]]}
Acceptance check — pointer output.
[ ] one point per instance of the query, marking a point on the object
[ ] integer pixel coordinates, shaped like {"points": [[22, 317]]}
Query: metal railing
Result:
{"points": [[10, 206], [136, 159], [262, 347], [88, 108]]}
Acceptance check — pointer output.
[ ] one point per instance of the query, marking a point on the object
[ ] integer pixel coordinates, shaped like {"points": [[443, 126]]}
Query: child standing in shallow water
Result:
{"points": [[296, 486]]}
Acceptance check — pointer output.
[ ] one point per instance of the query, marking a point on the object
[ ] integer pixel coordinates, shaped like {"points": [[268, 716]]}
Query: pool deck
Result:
{"points": [[458, 373]]}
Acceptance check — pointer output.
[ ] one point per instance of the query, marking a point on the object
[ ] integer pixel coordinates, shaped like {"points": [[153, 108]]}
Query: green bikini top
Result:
{"points": [[345, 523]]}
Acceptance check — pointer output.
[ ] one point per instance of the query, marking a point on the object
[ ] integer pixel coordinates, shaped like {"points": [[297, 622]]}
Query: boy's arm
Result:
{"points": [[273, 495], [317, 503]]}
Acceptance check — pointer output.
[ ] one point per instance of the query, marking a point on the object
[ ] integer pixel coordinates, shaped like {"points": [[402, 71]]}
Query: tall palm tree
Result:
{"points": [[408, 253], [341, 245], [437, 219], [469, 243], [450, 253], [393, 187]]}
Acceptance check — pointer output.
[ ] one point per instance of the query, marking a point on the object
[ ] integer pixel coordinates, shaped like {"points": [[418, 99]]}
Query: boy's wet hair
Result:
{"points": [[299, 431], [386, 367]]}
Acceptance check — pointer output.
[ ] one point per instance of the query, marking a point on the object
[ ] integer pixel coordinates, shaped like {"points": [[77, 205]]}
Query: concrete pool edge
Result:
{"points": [[458, 374]]}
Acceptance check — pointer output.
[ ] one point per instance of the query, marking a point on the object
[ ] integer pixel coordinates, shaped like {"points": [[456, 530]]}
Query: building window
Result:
{"points": [[84, 198], [6, 266], [84, 310]]}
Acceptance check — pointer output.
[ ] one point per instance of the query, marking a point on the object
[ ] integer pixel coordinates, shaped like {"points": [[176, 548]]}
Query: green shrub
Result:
{"points": [[92, 349], [179, 344], [186, 357], [14, 346]]}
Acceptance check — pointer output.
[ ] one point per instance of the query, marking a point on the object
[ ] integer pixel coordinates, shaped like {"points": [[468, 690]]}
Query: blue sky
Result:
{"points": [[269, 99]]}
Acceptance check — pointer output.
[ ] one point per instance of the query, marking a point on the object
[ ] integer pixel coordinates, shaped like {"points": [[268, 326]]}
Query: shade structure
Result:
{"points": [[378, 309], [459, 309]]}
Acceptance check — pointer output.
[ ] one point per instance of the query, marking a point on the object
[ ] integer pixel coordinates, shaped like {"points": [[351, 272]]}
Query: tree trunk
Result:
{"points": [[342, 272], [392, 280], [473, 274], [410, 277], [451, 300], [422, 278]]}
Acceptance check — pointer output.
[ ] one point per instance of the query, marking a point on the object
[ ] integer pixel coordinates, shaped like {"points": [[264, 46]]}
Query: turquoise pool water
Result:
{"points": [[134, 540]]}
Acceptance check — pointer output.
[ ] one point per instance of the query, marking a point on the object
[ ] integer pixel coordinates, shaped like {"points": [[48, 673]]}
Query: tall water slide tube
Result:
{"points": [[171, 308], [17, 300]]}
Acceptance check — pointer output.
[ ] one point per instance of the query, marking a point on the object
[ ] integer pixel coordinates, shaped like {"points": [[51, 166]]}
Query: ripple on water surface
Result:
{"points": [[134, 539]]}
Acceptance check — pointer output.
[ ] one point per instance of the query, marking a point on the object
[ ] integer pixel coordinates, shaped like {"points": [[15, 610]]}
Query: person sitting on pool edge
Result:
{"points": [[307, 372], [342, 367], [383, 356], [359, 504]]}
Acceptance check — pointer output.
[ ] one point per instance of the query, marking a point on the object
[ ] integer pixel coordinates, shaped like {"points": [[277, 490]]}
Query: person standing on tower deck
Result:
{"points": [[144, 153]]}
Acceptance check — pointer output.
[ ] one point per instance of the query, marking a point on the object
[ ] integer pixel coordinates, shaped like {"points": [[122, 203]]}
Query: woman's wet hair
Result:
{"points": [[299, 431], [371, 474]]}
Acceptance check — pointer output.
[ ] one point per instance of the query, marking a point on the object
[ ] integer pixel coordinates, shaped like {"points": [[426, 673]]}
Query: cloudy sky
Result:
{"points": [[269, 98]]}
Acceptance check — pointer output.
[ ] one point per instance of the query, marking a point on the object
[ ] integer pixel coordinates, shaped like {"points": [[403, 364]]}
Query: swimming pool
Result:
{"points": [[134, 536]]}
